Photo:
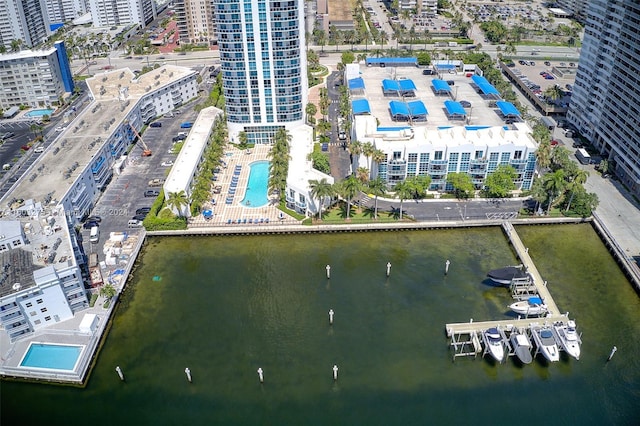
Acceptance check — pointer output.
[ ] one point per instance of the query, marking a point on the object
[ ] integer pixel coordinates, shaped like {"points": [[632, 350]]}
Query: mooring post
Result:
{"points": [[119, 371], [188, 373], [260, 375], [331, 316], [388, 268], [446, 267], [328, 271], [613, 351], [335, 372]]}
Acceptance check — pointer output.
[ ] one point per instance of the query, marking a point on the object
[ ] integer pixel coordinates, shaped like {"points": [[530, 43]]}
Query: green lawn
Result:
{"points": [[338, 214]]}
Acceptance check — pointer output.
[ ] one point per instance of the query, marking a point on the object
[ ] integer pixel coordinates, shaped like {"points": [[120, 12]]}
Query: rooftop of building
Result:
{"points": [[115, 94], [23, 54], [48, 243], [482, 111]]}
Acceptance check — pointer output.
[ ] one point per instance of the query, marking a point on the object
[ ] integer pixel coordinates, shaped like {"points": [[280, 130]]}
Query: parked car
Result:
{"points": [[139, 217], [143, 210], [186, 125], [89, 225], [39, 150], [94, 219], [451, 82], [547, 63], [325, 147], [465, 104], [151, 193], [167, 163], [156, 182], [155, 124]]}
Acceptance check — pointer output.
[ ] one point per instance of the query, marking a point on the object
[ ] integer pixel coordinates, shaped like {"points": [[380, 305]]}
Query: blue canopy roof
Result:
{"points": [[454, 108], [417, 109], [445, 66], [410, 109], [398, 108], [356, 83], [407, 85], [360, 106], [484, 85], [390, 85], [398, 85], [440, 85], [507, 108]]}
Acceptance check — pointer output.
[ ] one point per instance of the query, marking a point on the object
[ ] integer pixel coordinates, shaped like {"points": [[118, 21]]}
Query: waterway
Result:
{"points": [[226, 306]]}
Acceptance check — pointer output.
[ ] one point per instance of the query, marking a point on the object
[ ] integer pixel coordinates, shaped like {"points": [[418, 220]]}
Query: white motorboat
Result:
{"points": [[521, 346], [531, 306], [546, 343], [493, 340], [568, 337]]}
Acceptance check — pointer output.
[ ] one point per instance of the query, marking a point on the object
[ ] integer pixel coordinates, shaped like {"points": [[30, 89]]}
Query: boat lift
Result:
{"points": [[504, 342], [469, 346], [523, 288]]}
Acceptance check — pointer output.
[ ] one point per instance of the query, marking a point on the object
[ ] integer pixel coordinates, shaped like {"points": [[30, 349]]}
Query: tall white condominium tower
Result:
{"points": [[105, 13], [24, 20], [605, 105], [264, 65]]}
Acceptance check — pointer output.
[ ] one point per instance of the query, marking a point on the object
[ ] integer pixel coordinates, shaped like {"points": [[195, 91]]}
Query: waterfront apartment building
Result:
{"points": [[40, 281], [25, 20], [61, 11], [36, 78], [605, 104], [435, 152], [264, 66], [195, 21], [107, 13]]}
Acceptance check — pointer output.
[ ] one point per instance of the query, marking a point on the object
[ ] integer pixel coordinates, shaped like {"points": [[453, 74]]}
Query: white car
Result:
{"points": [[167, 163], [39, 150], [60, 129]]}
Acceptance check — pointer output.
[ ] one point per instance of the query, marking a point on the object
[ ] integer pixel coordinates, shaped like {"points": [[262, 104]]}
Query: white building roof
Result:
{"points": [[24, 54], [183, 169]]}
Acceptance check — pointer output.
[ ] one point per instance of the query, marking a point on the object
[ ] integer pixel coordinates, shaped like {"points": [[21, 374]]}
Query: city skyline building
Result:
{"points": [[107, 13], [24, 20], [195, 21], [36, 78], [605, 104], [263, 65]]}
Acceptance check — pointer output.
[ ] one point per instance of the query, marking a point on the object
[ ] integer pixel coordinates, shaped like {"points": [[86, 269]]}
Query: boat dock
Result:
{"points": [[466, 337], [523, 255]]}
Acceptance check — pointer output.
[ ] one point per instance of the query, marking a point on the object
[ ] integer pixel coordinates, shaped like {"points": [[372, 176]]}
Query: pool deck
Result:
{"points": [[236, 213]]}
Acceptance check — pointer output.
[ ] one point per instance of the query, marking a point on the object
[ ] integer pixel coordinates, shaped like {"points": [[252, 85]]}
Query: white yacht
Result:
{"points": [[521, 346], [546, 343], [493, 340], [568, 337]]}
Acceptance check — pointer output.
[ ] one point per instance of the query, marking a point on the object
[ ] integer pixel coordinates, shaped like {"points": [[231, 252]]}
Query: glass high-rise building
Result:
{"points": [[264, 66], [605, 105]]}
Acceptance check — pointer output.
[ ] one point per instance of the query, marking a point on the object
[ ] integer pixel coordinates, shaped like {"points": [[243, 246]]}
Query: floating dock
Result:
{"points": [[466, 337]]}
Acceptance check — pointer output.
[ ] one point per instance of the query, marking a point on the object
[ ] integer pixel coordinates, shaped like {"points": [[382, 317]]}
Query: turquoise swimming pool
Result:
{"points": [[39, 112], [256, 194], [54, 357]]}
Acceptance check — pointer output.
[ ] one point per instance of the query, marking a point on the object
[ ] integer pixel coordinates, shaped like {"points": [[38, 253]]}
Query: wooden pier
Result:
{"points": [[466, 337], [523, 255]]}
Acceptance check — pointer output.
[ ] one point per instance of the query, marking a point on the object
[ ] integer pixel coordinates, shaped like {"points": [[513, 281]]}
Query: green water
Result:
{"points": [[226, 306]]}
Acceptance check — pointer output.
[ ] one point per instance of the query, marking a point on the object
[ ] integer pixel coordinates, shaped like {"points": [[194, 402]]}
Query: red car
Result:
{"points": [[25, 147], [554, 142]]}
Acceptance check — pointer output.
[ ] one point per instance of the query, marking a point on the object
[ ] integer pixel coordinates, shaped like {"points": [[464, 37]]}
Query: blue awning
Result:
{"points": [[445, 66], [407, 85], [390, 85], [356, 83], [360, 106], [417, 109], [398, 109], [484, 85], [440, 85], [454, 108], [507, 108]]}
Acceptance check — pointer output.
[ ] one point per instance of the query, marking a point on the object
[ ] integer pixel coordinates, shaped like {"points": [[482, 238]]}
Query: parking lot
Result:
{"points": [[126, 192]]}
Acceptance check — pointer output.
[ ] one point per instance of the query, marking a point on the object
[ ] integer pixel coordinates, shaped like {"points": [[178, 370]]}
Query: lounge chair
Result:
{"points": [[266, 220], [250, 220], [261, 220], [244, 221], [229, 222]]}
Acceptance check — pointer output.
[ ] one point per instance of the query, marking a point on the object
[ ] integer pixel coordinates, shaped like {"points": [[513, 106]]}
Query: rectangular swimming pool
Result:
{"points": [[53, 357]]}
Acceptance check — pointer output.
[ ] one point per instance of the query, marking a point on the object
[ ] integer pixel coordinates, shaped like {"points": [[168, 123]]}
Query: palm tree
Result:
{"points": [[554, 183], [377, 187], [177, 200], [311, 111], [427, 38], [362, 174], [355, 148], [108, 291], [378, 156], [579, 178], [243, 138], [543, 155], [403, 191], [320, 189], [554, 92], [349, 188], [16, 45], [384, 37], [367, 150], [412, 36]]}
